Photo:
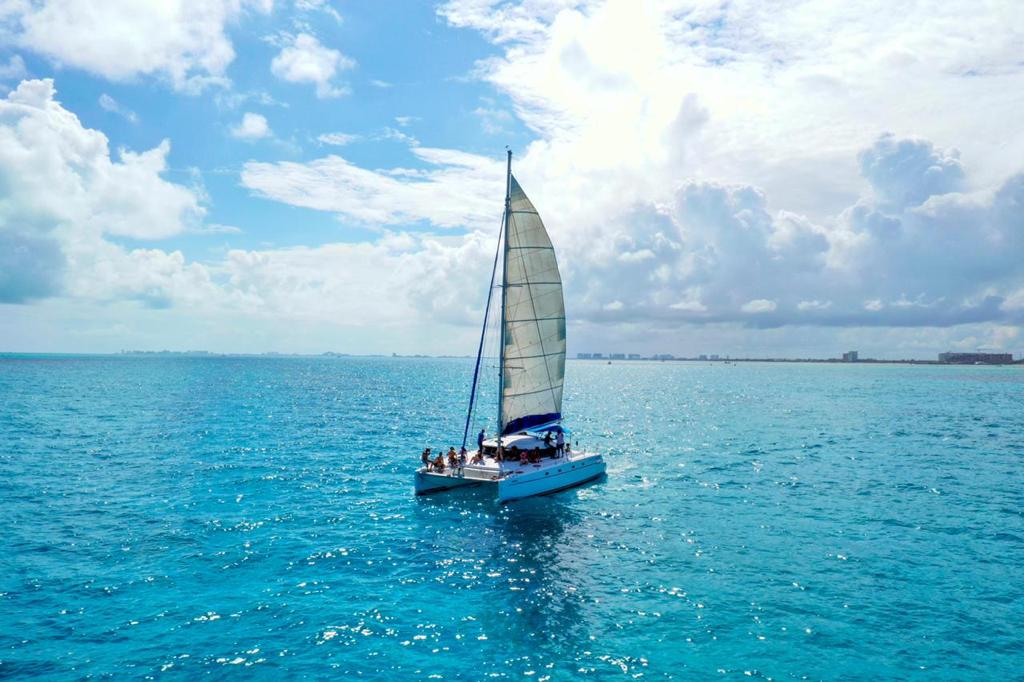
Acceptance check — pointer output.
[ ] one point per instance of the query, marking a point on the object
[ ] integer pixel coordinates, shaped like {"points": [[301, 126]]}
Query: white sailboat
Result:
{"points": [[519, 462]]}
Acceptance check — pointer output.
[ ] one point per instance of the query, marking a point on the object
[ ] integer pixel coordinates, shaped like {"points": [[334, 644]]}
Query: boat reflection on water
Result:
{"points": [[543, 559], [525, 580]]}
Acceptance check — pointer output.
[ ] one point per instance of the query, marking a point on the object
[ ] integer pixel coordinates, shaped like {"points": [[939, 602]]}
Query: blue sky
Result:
{"points": [[308, 175]]}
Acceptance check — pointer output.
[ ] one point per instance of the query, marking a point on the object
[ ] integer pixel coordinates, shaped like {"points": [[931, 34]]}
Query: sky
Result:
{"points": [[738, 177]]}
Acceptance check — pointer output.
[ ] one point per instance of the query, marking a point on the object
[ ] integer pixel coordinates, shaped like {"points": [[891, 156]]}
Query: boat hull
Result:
{"points": [[560, 475], [514, 481], [429, 482]]}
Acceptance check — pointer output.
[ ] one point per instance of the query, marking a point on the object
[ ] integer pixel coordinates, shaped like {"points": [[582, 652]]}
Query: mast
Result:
{"points": [[504, 294]]}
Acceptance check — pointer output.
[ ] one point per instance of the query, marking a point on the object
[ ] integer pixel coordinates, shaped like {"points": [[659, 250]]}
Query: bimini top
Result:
{"points": [[522, 441]]}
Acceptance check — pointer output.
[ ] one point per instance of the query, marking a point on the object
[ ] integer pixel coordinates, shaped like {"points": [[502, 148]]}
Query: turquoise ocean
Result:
{"points": [[245, 518]]}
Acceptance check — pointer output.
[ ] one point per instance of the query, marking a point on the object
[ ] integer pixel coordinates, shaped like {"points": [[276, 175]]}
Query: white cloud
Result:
{"points": [[64, 193], [305, 60], [494, 121], [777, 97], [714, 253], [251, 127], [108, 103], [216, 228], [183, 41], [388, 133], [337, 139], [907, 172], [457, 190], [689, 305], [759, 305], [690, 161], [14, 69], [319, 6], [67, 197]]}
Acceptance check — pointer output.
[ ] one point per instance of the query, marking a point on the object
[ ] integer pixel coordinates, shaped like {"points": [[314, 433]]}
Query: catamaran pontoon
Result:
{"points": [[531, 370]]}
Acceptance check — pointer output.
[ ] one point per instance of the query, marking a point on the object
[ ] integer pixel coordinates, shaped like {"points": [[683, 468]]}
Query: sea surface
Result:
{"points": [[243, 518]]}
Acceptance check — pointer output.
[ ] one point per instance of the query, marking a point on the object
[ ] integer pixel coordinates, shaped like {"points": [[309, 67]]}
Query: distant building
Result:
{"points": [[617, 356], [702, 356], [597, 356], [634, 356], [850, 356], [664, 356], [976, 358], [583, 356], [713, 356]]}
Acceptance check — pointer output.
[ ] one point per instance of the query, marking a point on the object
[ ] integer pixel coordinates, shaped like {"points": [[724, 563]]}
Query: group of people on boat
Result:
{"points": [[455, 460], [554, 446]]}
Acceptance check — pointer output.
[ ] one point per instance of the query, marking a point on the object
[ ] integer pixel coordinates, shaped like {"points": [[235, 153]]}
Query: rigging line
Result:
{"points": [[535, 319], [480, 349], [539, 390], [531, 357]]}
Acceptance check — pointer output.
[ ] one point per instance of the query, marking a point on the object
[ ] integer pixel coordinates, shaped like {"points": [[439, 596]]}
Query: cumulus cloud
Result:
{"points": [[780, 97], [702, 168], [63, 194], [251, 127], [64, 197], [716, 253], [305, 60], [907, 172], [183, 41]]}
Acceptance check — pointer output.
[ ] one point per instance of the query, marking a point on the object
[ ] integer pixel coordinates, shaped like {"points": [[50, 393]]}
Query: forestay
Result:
{"points": [[533, 359]]}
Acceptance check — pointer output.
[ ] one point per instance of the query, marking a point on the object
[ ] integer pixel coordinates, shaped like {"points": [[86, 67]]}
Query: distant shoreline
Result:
{"points": [[829, 361], [605, 360]]}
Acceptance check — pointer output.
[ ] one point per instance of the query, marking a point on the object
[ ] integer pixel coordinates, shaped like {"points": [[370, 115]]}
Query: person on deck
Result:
{"points": [[535, 455], [547, 439], [439, 462], [453, 458], [463, 455], [480, 439], [425, 457], [560, 444], [522, 457], [478, 458]]}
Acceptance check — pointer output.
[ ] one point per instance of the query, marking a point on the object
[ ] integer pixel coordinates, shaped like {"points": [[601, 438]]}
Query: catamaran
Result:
{"points": [[524, 458]]}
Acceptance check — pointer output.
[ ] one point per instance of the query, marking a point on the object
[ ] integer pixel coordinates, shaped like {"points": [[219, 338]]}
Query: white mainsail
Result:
{"points": [[533, 357]]}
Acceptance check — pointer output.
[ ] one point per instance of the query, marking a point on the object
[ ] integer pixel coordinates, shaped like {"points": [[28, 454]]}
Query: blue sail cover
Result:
{"points": [[533, 359], [533, 422]]}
